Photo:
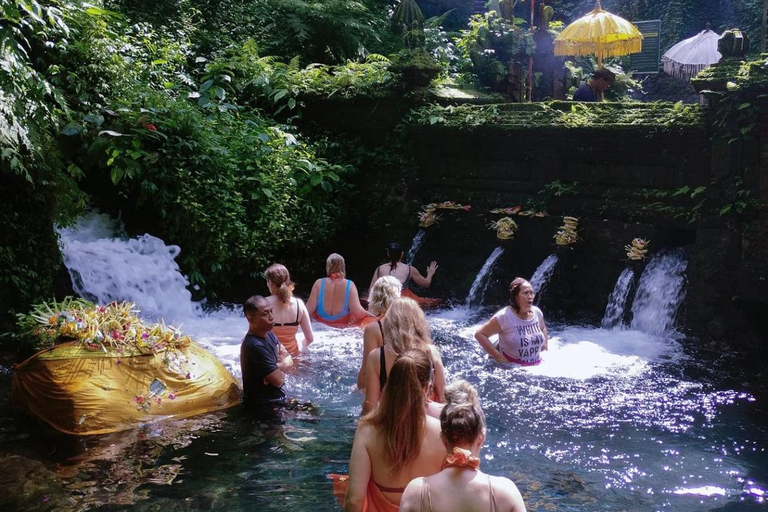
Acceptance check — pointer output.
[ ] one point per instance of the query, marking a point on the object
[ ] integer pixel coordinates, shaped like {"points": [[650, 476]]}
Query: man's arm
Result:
{"points": [[277, 376]]}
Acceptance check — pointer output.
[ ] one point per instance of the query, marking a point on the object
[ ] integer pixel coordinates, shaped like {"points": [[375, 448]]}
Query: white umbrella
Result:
{"points": [[688, 57]]}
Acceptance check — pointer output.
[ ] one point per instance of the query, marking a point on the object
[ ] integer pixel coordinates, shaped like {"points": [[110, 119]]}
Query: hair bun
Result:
{"points": [[461, 392]]}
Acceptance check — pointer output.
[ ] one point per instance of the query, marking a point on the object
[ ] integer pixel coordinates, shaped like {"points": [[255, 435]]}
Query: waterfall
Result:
{"points": [[659, 293], [542, 274], [477, 291], [415, 246], [141, 270], [618, 299]]}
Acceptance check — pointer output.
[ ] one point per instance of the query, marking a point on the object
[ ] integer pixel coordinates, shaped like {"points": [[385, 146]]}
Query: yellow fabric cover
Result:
{"points": [[82, 392], [600, 33]]}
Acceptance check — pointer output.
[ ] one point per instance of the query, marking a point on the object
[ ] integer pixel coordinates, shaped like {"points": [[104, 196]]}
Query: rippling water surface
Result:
{"points": [[612, 420]]}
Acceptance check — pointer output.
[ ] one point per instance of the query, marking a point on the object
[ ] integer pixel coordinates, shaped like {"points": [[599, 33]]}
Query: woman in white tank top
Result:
{"points": [[520, 327]]}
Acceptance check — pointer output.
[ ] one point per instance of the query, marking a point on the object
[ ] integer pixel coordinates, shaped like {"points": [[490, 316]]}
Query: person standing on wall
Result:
{"points": [[594, 88], [263, 360]]}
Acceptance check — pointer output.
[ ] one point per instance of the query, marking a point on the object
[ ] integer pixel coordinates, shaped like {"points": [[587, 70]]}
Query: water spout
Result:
{"points": [[542, 274], [415, 246], [477, 291], [614, 311], [659, 293]]}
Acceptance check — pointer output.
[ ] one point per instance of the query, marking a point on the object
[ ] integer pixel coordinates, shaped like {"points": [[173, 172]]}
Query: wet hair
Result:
{"points": [[401, 414], [384, 291], [278, 275], [405, 326], [514, 291], [462, 419], [252, 304], [394, 253], [335, 265], [606, 74]]}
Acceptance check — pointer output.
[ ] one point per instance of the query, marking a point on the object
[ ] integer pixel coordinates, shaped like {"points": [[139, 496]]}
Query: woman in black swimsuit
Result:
{"points": [[405, 327], [385, 290]]}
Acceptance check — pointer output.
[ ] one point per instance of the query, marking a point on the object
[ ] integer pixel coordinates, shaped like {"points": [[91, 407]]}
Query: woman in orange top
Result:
{"points": [[397, 442], [288, 311], [461, 485], [334, 300]]}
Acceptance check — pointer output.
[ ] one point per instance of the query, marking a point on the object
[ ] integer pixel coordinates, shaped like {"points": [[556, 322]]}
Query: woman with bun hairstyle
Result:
{"points": [[383, 293], [404, 328], [522, 333], [288, 311], [405, 273], [461, 485], [334, 300], [396, 442]]}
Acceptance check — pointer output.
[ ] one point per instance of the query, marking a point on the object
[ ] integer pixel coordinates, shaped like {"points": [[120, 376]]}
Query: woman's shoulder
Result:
{"points": [[537, 312], [507, 494]]}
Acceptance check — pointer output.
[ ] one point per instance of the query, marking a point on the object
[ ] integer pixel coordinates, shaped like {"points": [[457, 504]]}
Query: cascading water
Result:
{"points": [[477, 291], [415, 246], [542, 274], [141, 270], [659, 293], [618, 299]]}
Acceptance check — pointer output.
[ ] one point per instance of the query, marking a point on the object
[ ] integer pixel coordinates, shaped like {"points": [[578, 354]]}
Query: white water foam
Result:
{"points": [[143, 270]]}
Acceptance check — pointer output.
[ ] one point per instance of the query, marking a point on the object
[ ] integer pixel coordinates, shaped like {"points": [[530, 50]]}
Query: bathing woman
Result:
{"points": [[405, 274], [334, 300], [289, 312], [397, 441], [384, 291], [461, 485], [520, 326]]}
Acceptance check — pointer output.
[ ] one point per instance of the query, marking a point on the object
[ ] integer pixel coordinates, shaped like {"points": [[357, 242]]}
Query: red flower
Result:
{"points": [[150, 127]]}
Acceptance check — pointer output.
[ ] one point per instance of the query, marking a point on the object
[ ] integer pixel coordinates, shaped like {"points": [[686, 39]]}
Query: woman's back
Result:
{"points": [[468, 491], [428, 461], [401, 271], [334, 295]]}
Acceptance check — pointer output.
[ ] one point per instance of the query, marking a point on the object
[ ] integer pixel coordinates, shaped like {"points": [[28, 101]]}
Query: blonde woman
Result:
{"points": [[334, 300], [461, 485], [383, 292], [288, 311], [397, 442], [404, 328]]}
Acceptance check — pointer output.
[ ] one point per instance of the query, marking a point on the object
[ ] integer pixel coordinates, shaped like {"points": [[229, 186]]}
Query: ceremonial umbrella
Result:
{"points": [[689, 56], [600, 33]]}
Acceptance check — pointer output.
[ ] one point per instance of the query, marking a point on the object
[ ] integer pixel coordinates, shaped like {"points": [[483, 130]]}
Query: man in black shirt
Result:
{"points": [[263, 360], [593, 90]]}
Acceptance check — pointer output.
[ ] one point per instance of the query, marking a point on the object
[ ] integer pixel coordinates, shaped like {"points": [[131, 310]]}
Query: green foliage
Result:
{"points": [[416, 66], [233, 190], [275, 87], [491, 45], [331, 31], [563, 115]]}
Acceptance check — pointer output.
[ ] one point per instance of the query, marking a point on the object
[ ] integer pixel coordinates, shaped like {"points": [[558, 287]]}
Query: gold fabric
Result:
{"points": [[82, 392], [599, 33]]}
